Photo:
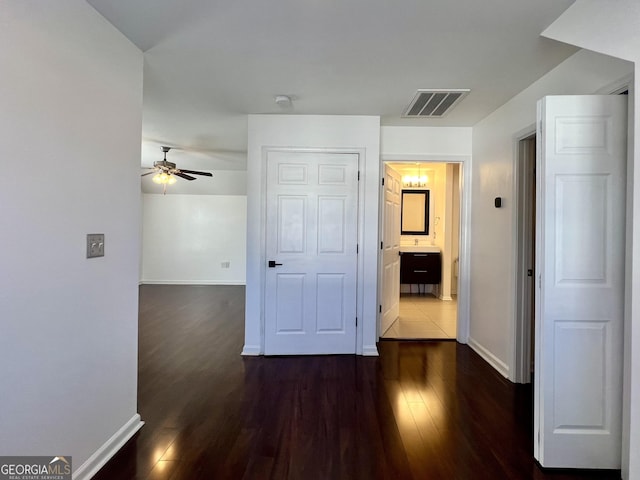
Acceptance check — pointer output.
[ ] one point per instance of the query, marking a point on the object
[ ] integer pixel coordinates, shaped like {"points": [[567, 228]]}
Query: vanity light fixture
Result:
{"points": [[413, 181]]}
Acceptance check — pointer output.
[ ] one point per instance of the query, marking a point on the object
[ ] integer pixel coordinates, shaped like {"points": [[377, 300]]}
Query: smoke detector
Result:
{"points": [[434, 103], [283, 100]]}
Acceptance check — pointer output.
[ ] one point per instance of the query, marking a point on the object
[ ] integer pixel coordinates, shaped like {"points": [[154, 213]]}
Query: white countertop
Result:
{"points": [[420, 248]]}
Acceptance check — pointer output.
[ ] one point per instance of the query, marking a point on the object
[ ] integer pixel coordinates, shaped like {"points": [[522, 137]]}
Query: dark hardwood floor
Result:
{"points": [[422, 410]]}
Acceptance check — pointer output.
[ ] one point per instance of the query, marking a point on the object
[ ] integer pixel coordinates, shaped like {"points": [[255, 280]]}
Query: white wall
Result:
{"points": [[455, 228], [451, 144], [70, 129], [438, 197], [493, 248], [346, 133], [616, 31], [186, 238]]}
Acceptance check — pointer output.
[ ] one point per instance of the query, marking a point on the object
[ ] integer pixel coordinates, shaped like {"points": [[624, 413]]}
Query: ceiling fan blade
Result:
{"points": [[193, 172], [148, 173], [182, 175]]}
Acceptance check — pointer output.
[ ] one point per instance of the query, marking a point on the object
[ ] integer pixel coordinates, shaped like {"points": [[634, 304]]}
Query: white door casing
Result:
{"points": [[580, 239], [390, 294], [312, 231]]}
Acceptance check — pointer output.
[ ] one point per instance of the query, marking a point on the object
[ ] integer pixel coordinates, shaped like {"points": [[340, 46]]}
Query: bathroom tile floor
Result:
{"points": [[424, 317]]}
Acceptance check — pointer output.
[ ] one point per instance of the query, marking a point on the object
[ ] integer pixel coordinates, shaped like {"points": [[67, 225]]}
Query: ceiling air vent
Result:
{"points": [[433, 103]]}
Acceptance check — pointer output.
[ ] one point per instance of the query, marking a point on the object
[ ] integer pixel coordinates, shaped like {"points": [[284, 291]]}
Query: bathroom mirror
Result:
{"points": [[415, 212]]}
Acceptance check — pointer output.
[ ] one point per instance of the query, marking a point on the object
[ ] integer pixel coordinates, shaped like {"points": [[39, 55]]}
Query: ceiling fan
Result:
{"points": [[166, 172]]}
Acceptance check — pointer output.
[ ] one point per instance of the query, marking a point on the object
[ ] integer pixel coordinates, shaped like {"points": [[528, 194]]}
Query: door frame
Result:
{"points": [[464, 263], [360, 153]]}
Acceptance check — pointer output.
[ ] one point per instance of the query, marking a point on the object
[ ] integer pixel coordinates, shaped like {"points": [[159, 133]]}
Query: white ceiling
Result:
{"points": [[209, 63]]}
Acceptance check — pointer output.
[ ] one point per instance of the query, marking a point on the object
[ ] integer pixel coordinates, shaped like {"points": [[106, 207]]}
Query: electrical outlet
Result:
{"points": [[95, 245], [225, 264]]}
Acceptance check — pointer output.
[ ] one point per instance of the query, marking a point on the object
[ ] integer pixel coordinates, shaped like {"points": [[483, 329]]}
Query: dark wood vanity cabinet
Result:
{"points": [[420, 268]]}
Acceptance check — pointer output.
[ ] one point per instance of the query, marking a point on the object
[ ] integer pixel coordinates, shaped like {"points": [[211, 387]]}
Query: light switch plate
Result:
{"points": [[95, 245]]}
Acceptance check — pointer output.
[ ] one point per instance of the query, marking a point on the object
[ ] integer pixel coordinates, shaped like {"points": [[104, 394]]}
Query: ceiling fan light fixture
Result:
{"points": [[164, 178], [166, 173]]}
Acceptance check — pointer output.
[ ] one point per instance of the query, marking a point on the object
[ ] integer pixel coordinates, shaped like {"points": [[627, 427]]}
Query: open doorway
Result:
{"points": [[427, 250], [525, 272]]}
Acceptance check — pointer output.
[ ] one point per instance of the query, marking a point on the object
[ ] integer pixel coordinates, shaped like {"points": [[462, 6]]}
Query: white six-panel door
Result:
{"points": [[312, 231], [390, 294], [579, 309]]}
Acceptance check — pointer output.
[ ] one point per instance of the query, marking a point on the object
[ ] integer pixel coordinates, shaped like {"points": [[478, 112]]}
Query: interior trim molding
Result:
{"points": [[101, 456], [422, 157], [490, 358], [251, 351], [370, 351]]}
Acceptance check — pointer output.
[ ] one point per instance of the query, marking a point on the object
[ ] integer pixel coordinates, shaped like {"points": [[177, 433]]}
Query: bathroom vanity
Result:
{"points": [[421, 265]]}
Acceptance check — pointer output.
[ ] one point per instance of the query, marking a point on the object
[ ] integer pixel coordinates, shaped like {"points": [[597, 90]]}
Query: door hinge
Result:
{"points": [[356, 321], [357, 248], [381, 245], [358, 175], [380, 309], [383, 181], [539, 281]]}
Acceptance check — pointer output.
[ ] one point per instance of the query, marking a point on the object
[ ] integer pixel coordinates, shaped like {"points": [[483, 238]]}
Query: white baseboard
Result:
{"points": [[101, 456], [191, 282], [490, 358], [448, 298], [251, 351], [254, 351], [370, 351]]}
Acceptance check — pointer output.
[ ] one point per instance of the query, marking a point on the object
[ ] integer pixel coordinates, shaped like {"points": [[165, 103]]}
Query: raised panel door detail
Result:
{"points": [[580, 247], [388, 234], [311, 234], [389, 292], [581, 220], [388, 277], [391, 277], [332, 175], [397, 187], [331, 225], [389, 183], [581, 363], [581, 135], [290, 299], [330, 303], [396, 226], [291, 224], [292, 174]]}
